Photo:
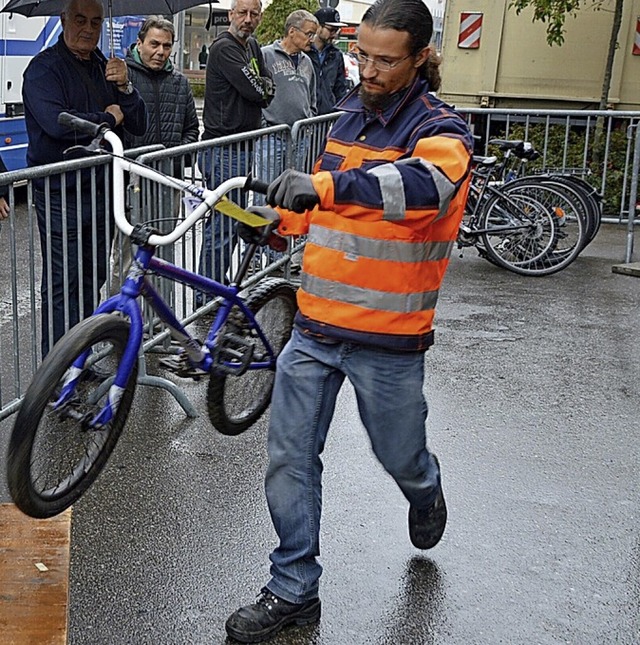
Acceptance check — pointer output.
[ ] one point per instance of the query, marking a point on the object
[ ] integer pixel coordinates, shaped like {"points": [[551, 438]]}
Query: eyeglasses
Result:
{"points": [[332, 30], [380, 65], [309, 34]]}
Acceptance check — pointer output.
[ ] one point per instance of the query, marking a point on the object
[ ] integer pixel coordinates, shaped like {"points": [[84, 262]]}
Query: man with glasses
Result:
{"points": [[381, 212], [238, 86], [292, 71], [328, 62], [295, 98], [74, 76]]}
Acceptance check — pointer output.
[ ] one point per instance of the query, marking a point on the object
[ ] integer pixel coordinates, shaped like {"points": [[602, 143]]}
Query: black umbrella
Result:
{"points": [[112, 8]]}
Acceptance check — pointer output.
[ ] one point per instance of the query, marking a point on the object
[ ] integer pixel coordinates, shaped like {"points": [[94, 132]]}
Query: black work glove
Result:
{"points": [[263, 235], [293, 190]]}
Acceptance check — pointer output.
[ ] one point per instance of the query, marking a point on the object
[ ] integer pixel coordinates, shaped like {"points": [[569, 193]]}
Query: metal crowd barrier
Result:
{"points": [[567, 140], [266, 153], [606, 144], [263, 153]]}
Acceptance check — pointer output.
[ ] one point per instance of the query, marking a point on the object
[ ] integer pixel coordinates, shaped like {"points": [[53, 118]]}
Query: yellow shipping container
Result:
{"points": [[495, 58]]}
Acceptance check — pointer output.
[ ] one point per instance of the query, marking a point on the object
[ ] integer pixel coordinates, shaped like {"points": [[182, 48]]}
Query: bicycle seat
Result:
{"points": [[484, 161], [506, 144], [521, 149]]}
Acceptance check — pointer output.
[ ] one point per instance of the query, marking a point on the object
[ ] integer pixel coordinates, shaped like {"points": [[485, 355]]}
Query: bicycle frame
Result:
{"points": [[137, 283]]}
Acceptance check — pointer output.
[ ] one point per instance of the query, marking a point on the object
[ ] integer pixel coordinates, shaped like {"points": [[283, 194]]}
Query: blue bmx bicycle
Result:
{"points": [[80, 397]]}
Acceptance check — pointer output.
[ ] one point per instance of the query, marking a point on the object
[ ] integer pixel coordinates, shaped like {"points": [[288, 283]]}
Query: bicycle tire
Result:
{"points": [[54, 454], [235, 403], [515, 232], [571, 226], [594, 198], [550, 235], [581, 201]]}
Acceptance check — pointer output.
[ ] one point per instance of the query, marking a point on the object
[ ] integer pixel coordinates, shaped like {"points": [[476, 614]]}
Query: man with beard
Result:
{"points": [[237, 87], [381, 212], [331, 81]]}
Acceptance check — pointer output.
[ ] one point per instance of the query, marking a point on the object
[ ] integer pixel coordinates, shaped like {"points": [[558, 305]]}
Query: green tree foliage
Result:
{"points": [[272, 26], [551, 12]]}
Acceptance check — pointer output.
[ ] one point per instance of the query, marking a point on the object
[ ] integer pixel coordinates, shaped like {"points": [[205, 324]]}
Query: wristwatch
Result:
{"points": [[126, 88]]}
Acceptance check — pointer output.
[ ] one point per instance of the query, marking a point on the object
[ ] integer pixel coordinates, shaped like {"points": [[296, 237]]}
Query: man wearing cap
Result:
{"points": [[331, 81]]}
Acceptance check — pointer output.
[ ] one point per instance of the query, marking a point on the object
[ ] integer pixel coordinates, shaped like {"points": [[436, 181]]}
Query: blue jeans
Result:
{"points": [[393, 409], [220, 238], [83, 292]]}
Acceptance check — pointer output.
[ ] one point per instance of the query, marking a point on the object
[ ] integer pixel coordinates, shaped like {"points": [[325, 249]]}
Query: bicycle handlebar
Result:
{"points": [[256, 185], [82, 125], [121, 164]]}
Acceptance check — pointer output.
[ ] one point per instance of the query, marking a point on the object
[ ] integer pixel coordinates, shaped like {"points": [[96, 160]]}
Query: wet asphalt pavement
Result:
{"points": [[533, 394]]}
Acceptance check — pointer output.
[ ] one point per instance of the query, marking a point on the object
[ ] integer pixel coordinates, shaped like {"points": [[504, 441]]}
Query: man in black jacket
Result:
{"points": [[238, 86], [331, 82], [173, 119], [74, 76]]}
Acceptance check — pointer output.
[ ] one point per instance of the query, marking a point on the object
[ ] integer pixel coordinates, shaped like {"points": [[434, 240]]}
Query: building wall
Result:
{"points": [[515, 67]]}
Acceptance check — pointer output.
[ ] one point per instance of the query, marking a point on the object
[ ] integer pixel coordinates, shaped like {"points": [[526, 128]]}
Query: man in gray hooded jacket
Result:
{"points": [[295, 96]]}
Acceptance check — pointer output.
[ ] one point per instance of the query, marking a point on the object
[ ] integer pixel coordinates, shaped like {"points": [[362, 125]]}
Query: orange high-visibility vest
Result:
{"points": [[392, 190]]}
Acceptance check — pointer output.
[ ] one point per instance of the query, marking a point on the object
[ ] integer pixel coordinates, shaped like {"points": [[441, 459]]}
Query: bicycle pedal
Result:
{"points": [[233, 354], [181, 367]]}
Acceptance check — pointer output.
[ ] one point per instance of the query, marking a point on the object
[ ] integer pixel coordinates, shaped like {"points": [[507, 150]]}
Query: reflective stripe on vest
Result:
{"points": [[368, 298], [394, 250], [392, 188]]}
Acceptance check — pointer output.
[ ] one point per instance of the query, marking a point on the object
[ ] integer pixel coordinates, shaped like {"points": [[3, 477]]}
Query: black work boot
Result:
{"points": [[265, 618], [426, 525]]}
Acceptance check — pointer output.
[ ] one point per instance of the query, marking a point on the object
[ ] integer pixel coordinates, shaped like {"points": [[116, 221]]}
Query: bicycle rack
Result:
{"points": [[145, 378]]}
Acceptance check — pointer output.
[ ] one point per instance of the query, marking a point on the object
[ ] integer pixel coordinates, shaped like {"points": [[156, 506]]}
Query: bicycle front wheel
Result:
{"points": [[71, 417], [235, 403]]}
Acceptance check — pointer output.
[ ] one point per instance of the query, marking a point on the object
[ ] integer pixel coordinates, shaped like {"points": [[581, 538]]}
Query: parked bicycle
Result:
{"points": [[529, 224], [78, 402]]}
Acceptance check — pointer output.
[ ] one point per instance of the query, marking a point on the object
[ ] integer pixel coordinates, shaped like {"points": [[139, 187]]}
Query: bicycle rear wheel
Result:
{"points": [[236, 402], [580, 200], [594, 198], [547, 229], [59, 442], [516, 231]]}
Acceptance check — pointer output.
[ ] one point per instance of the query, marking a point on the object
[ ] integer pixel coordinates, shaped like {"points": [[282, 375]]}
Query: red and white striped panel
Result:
{"points": [[470, 30], [636, 40]]}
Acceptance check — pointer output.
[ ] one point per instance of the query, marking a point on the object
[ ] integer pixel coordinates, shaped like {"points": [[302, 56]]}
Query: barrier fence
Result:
{"points": [[264, 154], [567, 140]]}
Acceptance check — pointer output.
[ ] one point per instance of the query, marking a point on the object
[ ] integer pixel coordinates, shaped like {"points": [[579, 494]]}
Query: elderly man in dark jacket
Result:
{"points": [[73, 221]]}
